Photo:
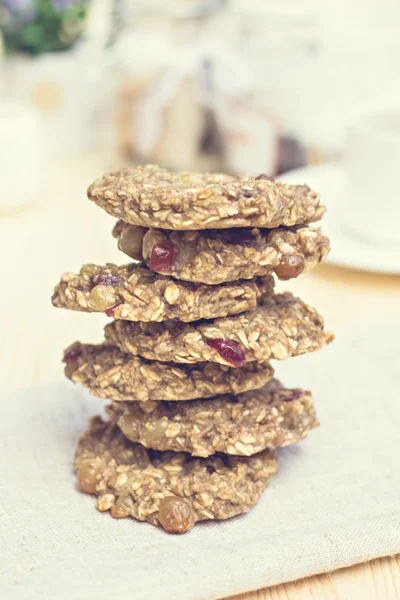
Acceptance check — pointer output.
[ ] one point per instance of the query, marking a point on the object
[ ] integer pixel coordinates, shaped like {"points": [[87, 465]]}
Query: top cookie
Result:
{"points": [[154, 197]]}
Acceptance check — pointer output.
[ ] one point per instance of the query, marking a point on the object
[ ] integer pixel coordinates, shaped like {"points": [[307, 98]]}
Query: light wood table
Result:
{"points": [[61, 231]]}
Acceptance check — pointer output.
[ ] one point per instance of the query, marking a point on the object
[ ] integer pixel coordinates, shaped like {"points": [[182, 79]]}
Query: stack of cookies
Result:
{"points": [[195, 414]]}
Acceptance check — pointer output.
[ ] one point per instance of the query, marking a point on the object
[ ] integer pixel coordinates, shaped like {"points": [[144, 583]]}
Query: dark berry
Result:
{"points": [[290, 267], [175, 514], [229, 350], [131, 242], [292, 395], [88, 478], [163, 257], [110, 311], [71, 354]]}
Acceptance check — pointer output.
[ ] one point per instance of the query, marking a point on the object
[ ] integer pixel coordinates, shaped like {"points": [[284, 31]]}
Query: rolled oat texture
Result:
{"points": [[131, 481], [154, 197], [282, 326], [114, 375], [135, 293], [243, 425], [218, 256], [194, 413]]}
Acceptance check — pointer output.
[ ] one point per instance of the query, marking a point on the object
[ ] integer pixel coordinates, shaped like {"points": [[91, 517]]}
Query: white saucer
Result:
{"points": [[348, 250]]}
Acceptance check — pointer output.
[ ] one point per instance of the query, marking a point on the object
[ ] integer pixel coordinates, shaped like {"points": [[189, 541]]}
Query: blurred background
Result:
{"points": [[239, 85], [244, 86]]}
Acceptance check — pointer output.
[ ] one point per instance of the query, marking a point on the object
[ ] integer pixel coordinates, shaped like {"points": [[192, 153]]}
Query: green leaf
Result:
{"points": [[45, 33], [33, 35]]}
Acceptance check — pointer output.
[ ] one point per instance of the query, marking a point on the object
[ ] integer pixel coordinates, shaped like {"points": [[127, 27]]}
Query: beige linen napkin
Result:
{"points": [[334, 502]]}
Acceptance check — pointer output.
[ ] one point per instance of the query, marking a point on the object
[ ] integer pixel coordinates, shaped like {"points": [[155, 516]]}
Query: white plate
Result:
{"points": [[348, 250]]}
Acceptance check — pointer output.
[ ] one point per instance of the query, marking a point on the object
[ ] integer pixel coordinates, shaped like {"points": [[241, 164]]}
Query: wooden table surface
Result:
{"points": [[62, 230]]}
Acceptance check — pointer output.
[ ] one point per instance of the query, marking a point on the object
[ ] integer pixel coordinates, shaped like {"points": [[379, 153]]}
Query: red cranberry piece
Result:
{"points": [[292, 395], [72, 354], [163, 257], [229, 350], [110, 311], [265, 177], [290, 267], [108, 279]]}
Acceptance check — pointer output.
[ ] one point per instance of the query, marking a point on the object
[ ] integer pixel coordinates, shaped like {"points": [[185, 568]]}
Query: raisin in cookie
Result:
{"points": [[134, 293], [282, 326], [217, 256], [169, 489]]}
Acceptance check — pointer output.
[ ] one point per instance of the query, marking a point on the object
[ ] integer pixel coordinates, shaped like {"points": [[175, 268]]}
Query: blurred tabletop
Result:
{"points": [[60, 231]]}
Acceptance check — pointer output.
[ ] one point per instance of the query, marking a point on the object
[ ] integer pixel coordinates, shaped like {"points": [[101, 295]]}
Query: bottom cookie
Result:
{"points": [[168, 489]]}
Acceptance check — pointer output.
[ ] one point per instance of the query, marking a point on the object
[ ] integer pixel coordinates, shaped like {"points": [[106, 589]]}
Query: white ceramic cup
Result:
{"points": [[372, 163]]}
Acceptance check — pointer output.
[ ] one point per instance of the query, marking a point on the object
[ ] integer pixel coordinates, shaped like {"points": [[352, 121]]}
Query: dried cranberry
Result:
{"points": [[210, 469], [110, 311], [229, 350], [163, 258], [292, 395], [290, 267], [72, 354], [265, 177], [108, 279]]}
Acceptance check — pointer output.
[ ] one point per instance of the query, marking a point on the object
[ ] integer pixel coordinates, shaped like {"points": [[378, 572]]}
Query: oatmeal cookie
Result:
{"points": [[217, 256], [282, 326], [154, 197], [269, 417], [110, 373], [135, 293], [168, 489]]}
